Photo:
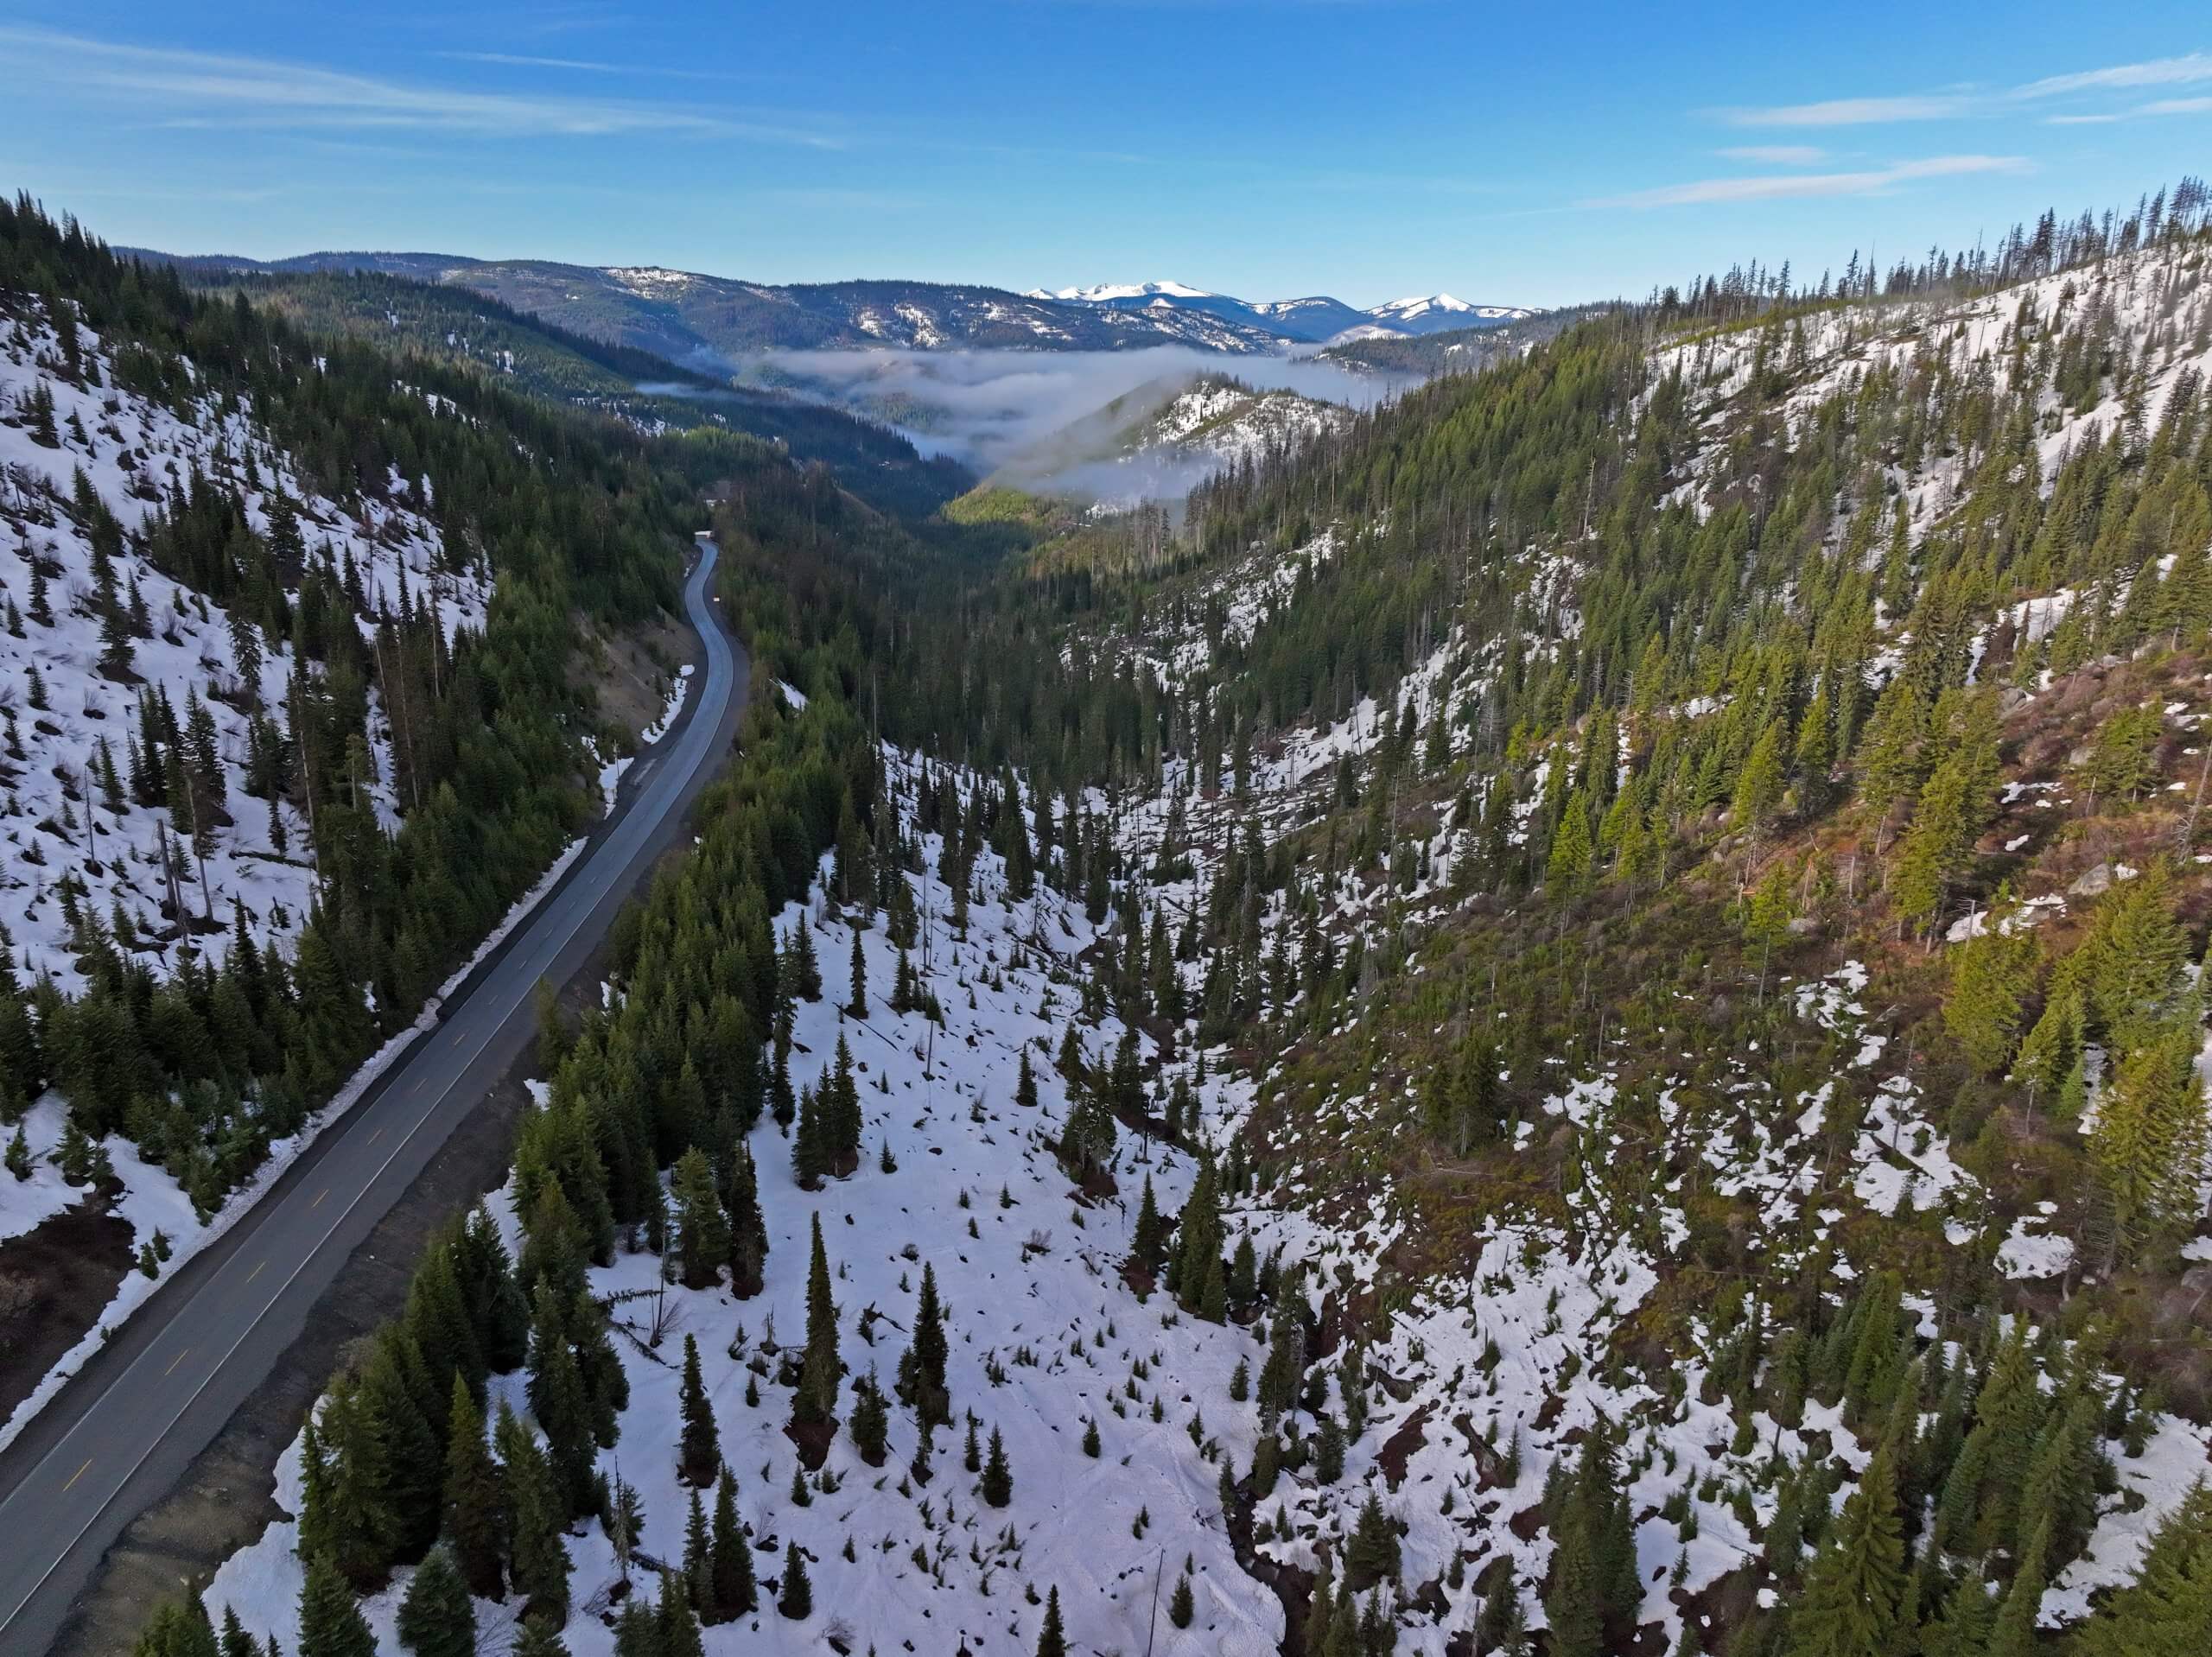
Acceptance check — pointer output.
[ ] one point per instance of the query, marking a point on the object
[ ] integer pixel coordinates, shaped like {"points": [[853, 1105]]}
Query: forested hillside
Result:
{"points": [[291, 718], [1568, 1019]]}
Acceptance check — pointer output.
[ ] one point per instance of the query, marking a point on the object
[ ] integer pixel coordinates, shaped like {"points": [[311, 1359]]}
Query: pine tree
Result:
{"points": [[814, 1404], [2165, 1610], [695, 1575], [558, 1400], [1371, 1556], [729, 1568], [699, 1452], [437, 1619], [998, 1477], [541, 1637], [1854, 1587], [748, 1229], [1990, 976], [869, 1424], [1052, 1639], [676, 1625], [2013, 1632], [471, 1498], [921, 1371], [537, 1517], [857, 1007], [702, 1232], [795, 1598], [331, 1624], [1180, 1608], [236, 1641], [2148, 1145], [181, 1629]]}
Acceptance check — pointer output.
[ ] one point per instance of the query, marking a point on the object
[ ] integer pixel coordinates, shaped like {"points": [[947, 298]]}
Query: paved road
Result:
{"points": [[126, 1427]]}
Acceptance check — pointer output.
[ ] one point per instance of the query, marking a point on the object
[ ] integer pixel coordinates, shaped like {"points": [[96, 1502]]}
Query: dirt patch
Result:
{"points": [[632, 670], [1399, 1448], [56, 1281]]}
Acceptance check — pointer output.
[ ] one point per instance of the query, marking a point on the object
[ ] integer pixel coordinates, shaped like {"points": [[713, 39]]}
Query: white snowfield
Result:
{"points": [[1036, 1292], [1235, 424], [55, 815]]}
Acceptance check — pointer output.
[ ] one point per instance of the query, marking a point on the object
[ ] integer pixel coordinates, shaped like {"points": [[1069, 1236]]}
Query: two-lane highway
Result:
{"points": [[124, 1429]]}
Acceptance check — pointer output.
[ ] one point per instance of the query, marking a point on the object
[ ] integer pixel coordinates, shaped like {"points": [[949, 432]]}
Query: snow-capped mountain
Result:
{"points": [[1430, 313], [1312, 319], [1112, 292]]}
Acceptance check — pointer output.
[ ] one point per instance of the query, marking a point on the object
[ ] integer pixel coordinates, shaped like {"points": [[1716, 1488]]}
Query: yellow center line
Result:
{"points": [[176, 1361], [79, 1473], [256, 1272], [319, 1195]]}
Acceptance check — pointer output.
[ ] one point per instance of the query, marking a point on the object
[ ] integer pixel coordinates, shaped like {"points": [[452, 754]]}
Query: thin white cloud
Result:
{"points": [[1959, 103], [1776, 154], [1855, 111], [2175, 106], [583, 65], [206, 89], [2159, 72], [1776, 187]]}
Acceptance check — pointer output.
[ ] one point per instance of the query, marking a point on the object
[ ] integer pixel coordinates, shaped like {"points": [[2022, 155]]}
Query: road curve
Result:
{"points": [[124, 1429]]}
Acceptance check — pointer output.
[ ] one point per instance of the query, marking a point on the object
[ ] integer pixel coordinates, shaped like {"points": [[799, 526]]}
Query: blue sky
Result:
{"points": [[1532, 155]]}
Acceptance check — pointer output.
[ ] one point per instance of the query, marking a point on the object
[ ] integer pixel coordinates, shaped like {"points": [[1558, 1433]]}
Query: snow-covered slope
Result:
{"points": [[71, 708], [2148, 313], [1432, 313], [1235, 423], [1045, 1336]]}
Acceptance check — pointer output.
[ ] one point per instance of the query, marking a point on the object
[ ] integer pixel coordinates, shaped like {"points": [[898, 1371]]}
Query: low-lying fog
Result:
{"points": [[1000, 410]]}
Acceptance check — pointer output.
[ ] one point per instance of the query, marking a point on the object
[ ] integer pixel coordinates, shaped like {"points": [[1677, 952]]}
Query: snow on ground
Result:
{"points": [[2030, 1252], [62, 716], [2178, 1458], [2157, 297], [1035, 1291], [152, 1201]]}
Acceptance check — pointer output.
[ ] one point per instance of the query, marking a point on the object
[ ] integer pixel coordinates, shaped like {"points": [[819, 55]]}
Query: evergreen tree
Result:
{"points": [[537, 1517], [331, 1624], [471, 1499], [1052, 1639], [2165, 1610], [795, 1598], [1855, 1586], [729, 1567], [814, 1404], [998, 1477], [699, 1451], [868, 1423], [702, 1232], [559, 1401], [541, 1637], [1990, 976], [921, 1371], [1371, 1556], [748, 1229], [437, 1618]]}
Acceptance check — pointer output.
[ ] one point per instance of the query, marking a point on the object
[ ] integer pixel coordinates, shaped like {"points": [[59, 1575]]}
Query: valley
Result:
{"points": [[1527, 984]]}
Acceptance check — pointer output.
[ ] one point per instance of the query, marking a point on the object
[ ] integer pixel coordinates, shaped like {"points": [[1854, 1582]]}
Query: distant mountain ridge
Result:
{"points": [[1313, 319], [689, 317]]}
